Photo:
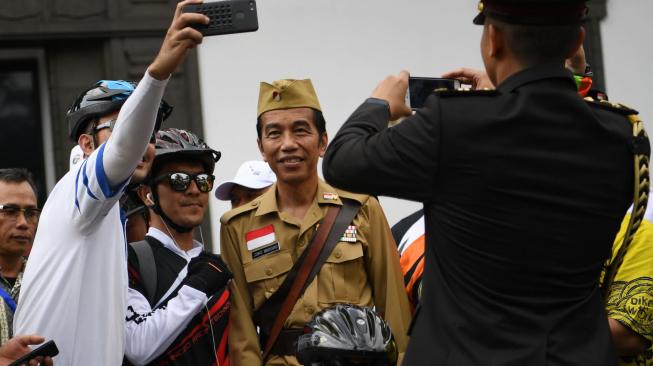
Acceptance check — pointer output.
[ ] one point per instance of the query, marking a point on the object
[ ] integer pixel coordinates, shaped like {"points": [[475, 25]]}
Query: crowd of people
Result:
{"points": [[525, 251]]}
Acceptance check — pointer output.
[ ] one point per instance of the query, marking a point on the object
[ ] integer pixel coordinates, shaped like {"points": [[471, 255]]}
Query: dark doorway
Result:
{"points": [[21, 139]]}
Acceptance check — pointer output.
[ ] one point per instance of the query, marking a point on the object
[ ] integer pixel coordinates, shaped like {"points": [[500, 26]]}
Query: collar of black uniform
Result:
{"points": [[536, 73], [533, 12]]}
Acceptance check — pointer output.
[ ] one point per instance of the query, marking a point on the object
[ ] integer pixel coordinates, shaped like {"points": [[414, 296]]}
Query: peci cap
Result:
{"points": [[286, 94], [252, 174], [533, 12]]}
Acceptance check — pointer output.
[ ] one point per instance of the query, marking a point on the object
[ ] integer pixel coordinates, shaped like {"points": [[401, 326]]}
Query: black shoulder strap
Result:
{"points": [[343, 220], [146, 267], [266, 314]]}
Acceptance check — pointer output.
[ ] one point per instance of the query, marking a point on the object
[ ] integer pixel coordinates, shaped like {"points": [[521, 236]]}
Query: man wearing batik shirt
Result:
{"points": [[630, 297]]}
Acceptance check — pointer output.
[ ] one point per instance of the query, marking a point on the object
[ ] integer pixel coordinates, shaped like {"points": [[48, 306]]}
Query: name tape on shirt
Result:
{"points": [[273, 248], [260, 237]]}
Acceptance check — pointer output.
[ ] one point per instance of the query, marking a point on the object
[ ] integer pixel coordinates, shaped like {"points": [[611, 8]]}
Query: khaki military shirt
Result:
{"points": [[363, 271]]}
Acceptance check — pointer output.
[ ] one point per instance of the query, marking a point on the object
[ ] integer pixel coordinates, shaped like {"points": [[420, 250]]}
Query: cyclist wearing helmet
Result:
{"points": [[164, 311], [75, 284]]}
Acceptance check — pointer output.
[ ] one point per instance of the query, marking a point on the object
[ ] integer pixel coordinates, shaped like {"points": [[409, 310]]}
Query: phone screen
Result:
{"points": [[419, 88]]}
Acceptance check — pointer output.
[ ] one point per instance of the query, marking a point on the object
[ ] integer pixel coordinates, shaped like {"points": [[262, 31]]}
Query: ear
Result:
{"points": [[143, 193], [86, 143], [322, 143], [260, 149], [578, 44], [496, 41]]}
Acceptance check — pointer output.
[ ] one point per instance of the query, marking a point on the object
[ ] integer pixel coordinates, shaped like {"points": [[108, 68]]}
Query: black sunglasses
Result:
{"points": [[111, 124], [11, 211], [181, 181]]}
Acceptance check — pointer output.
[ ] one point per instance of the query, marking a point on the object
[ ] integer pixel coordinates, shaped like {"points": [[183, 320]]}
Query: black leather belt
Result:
{"points": [[286, 344]]}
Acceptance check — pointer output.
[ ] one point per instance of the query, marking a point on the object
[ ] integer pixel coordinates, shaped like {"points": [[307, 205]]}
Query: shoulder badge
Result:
{"points": [[465, 92], [611, 106], [360, 198], [239, 210]]}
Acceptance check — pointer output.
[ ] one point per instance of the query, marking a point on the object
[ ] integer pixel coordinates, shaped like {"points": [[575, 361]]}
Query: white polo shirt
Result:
{"points": [[75, 283]]}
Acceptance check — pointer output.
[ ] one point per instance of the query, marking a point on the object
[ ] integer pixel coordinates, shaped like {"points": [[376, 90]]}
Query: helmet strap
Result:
{"points": [[159, 211]]}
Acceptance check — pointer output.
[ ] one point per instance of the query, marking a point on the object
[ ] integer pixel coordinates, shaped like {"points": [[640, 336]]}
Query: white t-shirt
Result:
{"points": [[75, 283]]}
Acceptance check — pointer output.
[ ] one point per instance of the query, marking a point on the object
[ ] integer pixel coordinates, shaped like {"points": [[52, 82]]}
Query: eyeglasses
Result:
{"points": [[111, 124], [181, 181], [12, 212]]}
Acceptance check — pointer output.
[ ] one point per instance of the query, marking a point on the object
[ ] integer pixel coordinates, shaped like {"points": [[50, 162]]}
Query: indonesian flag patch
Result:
{"points": [[260, 237]]}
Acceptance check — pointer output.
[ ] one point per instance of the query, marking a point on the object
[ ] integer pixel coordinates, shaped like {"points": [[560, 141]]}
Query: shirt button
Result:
{"points": [[310, 310], [337, 254], [268, 271]]}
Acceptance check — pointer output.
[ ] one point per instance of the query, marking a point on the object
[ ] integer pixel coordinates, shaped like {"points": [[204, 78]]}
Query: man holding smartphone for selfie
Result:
{"points": [[75, 283], [524, 188]]}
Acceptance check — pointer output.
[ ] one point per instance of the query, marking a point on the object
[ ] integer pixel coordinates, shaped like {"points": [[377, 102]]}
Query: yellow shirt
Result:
{"points": [[630, 298], [364, 271]]}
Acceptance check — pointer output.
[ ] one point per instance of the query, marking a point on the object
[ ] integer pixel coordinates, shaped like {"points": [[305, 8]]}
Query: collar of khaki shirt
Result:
{"points": [[325, 194]]}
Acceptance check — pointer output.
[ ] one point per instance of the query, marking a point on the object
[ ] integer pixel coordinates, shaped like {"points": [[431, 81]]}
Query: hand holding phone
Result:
{"points": [[47, 349], [393, 90], [225, 17]]}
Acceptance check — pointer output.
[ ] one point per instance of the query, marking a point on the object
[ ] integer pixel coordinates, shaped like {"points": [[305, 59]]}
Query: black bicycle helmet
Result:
{"points": [[175, 143], [104, 97], [347, 334], [172, 144]]}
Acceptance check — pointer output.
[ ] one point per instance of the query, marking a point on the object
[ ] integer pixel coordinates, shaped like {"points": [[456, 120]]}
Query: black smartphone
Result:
{"points": [[419, 88], [47, 349], [226, 17]]}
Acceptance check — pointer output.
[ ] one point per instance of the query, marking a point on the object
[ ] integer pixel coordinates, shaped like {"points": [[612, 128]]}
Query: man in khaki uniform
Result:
{"points": [[261, 241]]}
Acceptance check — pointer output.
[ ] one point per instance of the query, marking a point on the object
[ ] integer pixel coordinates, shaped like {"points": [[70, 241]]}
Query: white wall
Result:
{"points": [[628, 55], [346, 47]]}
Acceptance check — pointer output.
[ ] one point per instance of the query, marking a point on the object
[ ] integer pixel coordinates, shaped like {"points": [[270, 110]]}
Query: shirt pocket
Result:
{"points": [[264, 276], [343, 277]]}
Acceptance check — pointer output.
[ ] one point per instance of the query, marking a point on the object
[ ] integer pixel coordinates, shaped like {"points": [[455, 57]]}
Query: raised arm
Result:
{"points": [[367, 156], [137, 117]]}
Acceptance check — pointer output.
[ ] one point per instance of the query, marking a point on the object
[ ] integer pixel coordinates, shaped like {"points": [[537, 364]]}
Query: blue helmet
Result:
{"points": [[104, 97]]}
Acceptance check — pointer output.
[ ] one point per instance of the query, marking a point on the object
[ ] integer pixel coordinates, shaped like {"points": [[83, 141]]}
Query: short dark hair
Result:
{"points": [[320, 123], [538, 44], [18, 175]]}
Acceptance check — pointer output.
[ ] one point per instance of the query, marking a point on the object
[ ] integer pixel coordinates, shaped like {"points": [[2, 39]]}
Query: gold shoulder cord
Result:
{"points": [[640, 200]]}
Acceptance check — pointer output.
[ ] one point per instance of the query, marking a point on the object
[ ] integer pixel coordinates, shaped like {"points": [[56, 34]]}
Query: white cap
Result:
{"points": [[76, 156], [251, 174]]}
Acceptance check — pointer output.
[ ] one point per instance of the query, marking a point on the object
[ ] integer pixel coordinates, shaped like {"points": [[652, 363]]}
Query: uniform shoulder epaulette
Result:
{"points": [[361, 198], [611, 106], [465, 92], [227, 216]]}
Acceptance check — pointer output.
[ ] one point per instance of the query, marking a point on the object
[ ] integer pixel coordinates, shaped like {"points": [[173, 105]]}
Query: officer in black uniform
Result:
{"points": [[524, 188]]}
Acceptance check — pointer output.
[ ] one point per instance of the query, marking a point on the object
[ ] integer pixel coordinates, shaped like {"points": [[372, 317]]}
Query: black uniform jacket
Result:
{"points": [[524, 189]]}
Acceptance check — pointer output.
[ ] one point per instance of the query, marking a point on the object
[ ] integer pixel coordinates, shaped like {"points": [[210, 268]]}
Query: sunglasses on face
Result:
{"points": [[12, 212], [110, 124], [181, 181]]}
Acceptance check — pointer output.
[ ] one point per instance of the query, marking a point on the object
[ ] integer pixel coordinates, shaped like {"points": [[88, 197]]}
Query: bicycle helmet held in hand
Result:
{"points": [[104, 97], [347, 335]]}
